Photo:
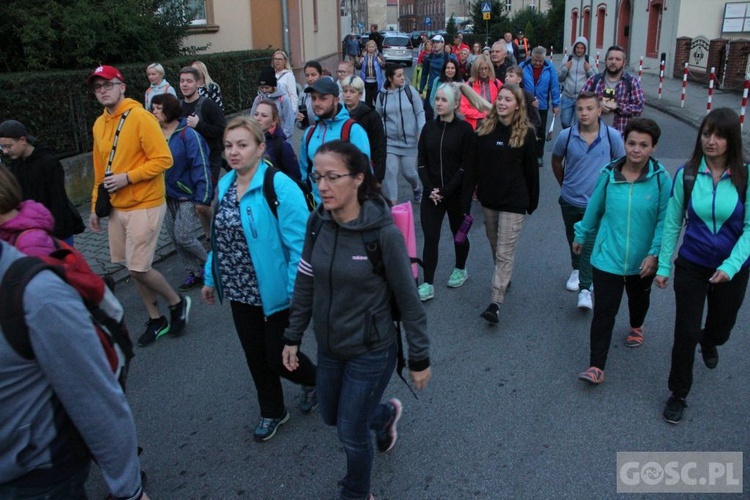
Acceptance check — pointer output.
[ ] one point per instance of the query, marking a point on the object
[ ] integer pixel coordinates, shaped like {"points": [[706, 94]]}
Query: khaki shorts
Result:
{"points": [[133, 236]]}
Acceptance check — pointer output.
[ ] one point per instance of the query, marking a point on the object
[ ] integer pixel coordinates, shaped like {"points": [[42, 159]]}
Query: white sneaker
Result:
{"points": [[572, 284], [584, 300]]}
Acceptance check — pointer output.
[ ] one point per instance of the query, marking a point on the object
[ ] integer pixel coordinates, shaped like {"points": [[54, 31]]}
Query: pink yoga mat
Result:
{"points": [[403, 217]]}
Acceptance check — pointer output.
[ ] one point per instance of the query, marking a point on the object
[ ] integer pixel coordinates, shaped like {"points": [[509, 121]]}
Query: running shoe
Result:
{"points": [[584, 300], [673, 410], [267, 427], [426, 292], [191, 281], [458, 278], [155, 328], [309, 399], [178, 314], [572, 284], [387, 436], [710, 356], [492, 313]]}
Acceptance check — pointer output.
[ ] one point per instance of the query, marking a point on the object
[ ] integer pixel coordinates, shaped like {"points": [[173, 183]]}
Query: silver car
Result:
{"points": [[397, 48]]}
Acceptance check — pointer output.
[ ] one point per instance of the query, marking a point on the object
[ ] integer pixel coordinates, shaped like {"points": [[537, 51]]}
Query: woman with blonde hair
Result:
{"points": [[208, 87], [159, 85], [285, 76], [365, 115], [446, 147], [371, 65], [253, 264], [484, 83], [506, 176]]}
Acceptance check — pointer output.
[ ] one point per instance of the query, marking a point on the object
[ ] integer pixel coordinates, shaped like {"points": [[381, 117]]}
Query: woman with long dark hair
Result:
{"points": [[448, 74], [253, 264], [711, 269], [350, 301], [506, 176], [446, 146]]}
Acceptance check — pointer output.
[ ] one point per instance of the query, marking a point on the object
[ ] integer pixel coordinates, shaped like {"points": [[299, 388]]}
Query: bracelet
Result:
{"points": [[127, 176]]}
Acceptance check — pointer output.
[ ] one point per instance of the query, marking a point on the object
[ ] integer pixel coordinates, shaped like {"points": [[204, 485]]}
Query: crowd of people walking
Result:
{"points": [[472, 127]]}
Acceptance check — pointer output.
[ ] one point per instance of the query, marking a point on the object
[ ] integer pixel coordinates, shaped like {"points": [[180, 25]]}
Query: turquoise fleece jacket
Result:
{"points": [[717, 234], [275, 252], [629, 217]]}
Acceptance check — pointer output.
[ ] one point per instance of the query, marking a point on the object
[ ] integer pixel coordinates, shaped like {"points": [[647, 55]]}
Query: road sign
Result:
{"points": [[486, 16], [427, 21], [486, 8]]}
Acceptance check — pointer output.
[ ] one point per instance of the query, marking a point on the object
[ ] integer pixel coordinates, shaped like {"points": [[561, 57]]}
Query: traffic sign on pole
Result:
{"points": [[427, 21], [486, 8], [486, 16]]}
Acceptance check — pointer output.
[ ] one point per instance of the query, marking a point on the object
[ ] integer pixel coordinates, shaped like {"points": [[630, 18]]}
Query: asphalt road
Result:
{"points": [[504, 415]]}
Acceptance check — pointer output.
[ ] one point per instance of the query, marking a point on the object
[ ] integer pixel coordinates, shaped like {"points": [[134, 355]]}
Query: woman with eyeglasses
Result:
{"points": [[484, 83], [350, 300], [285, 76], [253, 264]]}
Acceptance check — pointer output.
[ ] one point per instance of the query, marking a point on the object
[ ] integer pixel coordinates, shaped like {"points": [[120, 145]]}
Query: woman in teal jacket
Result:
{"points": [[627, 207], [253, 263]]}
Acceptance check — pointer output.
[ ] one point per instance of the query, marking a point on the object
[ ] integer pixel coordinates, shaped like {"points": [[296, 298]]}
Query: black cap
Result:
{"points": [[13, 129], [267, 77], [324, 86]]}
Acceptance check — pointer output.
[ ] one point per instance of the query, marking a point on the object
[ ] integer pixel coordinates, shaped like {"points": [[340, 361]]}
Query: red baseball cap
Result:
{"points": [[106, 72]]}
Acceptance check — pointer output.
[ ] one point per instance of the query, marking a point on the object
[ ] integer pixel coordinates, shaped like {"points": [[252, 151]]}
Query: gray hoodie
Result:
{"points": [[349, 304], [403, 118], [68, 387], [574, 80]]}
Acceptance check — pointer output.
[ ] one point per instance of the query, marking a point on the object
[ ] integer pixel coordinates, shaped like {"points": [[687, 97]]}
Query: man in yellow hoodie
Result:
{"points": [[130, 156]]}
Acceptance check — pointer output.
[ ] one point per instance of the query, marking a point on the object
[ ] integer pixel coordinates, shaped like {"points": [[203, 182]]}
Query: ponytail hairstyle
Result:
{"points": [[725, 123], [519, 124], [356, 163]]}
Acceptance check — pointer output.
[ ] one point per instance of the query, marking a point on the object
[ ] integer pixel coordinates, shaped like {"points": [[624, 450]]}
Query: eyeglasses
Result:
{"points": [[104, 86], [3, 147], [331, 177]]}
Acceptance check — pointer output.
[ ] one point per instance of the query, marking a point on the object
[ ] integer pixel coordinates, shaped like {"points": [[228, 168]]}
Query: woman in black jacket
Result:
{"points": [[364, 114], [507, 180], [446, 146]]}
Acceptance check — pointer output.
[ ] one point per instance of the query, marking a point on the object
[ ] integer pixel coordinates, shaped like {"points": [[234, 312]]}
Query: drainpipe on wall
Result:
{"points": [[285, 25]]}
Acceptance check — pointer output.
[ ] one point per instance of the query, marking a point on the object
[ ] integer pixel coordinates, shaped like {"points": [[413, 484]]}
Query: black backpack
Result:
{"points": [[269, 191], [371, 242]]}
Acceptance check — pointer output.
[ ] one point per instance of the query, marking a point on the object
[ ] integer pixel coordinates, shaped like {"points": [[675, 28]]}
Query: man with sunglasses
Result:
{"points": [[130, 156]]}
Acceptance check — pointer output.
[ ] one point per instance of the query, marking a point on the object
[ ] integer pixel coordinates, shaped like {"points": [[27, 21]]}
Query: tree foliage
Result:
{"points": [[450, 28], [51, 34], [540, 28]]}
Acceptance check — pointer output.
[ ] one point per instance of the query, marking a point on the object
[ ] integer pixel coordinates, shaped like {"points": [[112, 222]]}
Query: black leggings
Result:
{"points": [[692, 293], [262, 340], [371, 91], [432, 216]]}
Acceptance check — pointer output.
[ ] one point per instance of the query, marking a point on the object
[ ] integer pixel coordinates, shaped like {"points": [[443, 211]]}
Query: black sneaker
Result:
{"points": [[267, 427], [673, 410], [710, 356], [387, 436], [309, 399], [178, 314], [155, 328], [492, 313], [191, 281]]}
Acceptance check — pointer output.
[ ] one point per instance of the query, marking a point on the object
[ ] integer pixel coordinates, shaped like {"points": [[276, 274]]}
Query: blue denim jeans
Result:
{"points": [[349, 393], [567, 112]]}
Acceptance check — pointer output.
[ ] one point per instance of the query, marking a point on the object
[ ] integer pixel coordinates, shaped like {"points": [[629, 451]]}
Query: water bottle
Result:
{"points": [[463, 231]]}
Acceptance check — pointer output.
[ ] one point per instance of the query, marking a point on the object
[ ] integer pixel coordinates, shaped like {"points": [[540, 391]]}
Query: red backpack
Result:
{"points": [[106, 312]]}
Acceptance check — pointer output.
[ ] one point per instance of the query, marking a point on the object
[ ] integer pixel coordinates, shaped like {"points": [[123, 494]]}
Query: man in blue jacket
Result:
{"points": [[432, 65], [540, 78], [330, 118]]}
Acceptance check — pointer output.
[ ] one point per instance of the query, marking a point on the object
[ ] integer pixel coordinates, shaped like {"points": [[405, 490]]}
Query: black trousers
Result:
{"points": [[371, 91], [431, 217], [541, 133], [261, 339], [692, 292], [608, 289]]}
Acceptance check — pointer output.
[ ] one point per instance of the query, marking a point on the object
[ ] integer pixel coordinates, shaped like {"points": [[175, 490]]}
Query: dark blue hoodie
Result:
{"points": [[281, 153], [190, 175]]}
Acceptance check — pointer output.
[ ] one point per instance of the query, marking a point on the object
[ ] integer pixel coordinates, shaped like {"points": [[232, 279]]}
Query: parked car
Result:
{"points": [[397, 48]]}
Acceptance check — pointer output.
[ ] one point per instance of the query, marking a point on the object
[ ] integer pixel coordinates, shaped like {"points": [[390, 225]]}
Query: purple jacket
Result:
{"points": [[37, 224]]}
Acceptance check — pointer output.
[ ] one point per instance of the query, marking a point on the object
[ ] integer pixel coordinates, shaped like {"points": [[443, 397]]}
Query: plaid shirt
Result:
{"points": [[628, 105]]}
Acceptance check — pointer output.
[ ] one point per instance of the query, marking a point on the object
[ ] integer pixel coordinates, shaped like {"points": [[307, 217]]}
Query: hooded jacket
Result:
{"points": [[66, 393], [287, 112], [274, 251], [190, 176], [281, 153], [42, 179], [403, 118], [35, 222], [575, 78], [349, 304], [629, 217], [142, 153], [445, 148], [369, 119], [716, 234], [432, 66], [327, 130], [162, 88], [546, 89]]}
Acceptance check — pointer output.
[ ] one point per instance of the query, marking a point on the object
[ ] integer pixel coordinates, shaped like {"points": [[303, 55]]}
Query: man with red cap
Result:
{"points": [[130, 156]]}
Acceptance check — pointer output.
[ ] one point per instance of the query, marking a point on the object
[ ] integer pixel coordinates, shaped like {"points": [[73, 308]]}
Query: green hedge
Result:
{"points": [[60, 109]]}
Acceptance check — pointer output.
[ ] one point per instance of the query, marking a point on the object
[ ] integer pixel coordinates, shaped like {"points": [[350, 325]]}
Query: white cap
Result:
{"points": [[438, 38]]}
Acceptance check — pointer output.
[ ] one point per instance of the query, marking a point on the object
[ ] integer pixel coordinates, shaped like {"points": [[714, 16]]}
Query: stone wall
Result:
{"points": [[728, 57]]}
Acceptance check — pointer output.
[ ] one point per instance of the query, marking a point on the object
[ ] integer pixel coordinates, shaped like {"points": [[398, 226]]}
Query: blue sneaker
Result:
{"points": [[267, 427]]}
